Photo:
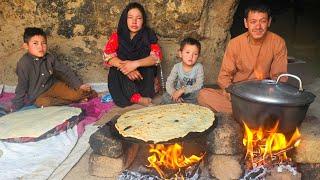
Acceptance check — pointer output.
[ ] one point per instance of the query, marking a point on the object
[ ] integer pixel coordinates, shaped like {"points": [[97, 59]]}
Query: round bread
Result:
{"points": [[165, 122]]}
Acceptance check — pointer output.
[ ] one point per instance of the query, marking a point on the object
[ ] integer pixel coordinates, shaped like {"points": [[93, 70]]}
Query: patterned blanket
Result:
{"points": [[91, 112]]}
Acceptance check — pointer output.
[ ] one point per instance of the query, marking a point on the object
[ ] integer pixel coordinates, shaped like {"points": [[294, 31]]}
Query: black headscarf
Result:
{"points": [[139, 46]]}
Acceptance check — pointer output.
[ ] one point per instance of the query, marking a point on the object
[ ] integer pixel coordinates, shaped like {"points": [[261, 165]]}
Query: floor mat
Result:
{"points": [[42, 159], [94, 109], [50, 158], [34, 123]]}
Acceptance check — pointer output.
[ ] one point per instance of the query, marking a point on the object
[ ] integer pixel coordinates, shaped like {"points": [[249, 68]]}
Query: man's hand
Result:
{"points": [[227, 95], [134, 75], [128, 66], [85, 87], [176, 96]]}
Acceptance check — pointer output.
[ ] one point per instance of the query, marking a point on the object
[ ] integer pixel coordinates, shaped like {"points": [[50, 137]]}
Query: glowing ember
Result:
{"points": [[170, 158], [268, 143]]}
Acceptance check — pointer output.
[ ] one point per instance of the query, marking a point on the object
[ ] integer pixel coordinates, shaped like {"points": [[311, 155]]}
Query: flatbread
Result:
{"points": [[35, 122], [165, 122]]}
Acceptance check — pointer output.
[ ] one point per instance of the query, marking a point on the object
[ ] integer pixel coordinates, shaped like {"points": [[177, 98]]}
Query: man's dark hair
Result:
{"points": [[190, 41], [29, 32], [257, 7]]}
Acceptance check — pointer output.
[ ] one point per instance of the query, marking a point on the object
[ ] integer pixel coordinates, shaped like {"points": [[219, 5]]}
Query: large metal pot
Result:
{"points": [[261, 103]]}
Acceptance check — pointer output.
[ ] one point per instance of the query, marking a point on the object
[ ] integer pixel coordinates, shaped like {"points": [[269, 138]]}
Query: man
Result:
{"points": [[255, 54]]}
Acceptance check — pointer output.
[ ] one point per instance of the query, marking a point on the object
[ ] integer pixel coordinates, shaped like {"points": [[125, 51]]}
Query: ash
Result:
{"points": [[192, 173], [287, 167], [131, 175], [261, 172]]}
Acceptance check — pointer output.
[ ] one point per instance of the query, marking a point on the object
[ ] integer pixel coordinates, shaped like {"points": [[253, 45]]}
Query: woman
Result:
{"points": [[132, 54]]}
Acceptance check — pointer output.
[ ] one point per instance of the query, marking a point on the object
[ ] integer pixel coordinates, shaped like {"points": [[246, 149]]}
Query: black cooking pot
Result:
{"points": [[261, 103]]}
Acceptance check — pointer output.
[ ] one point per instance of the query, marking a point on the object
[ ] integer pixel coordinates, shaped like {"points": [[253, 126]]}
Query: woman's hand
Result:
{"points": [[128, 66], [134, 75], [176, 96]]}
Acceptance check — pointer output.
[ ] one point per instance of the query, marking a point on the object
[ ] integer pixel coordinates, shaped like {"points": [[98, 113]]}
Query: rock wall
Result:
{"points": [[78, 30]]}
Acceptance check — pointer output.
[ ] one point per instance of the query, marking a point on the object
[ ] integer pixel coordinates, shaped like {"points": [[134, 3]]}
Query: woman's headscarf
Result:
{"points": [[139, 46]]}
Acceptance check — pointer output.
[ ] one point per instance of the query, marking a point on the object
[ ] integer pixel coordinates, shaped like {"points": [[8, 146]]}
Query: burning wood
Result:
{"points": [[170, 162], [268, 146]]}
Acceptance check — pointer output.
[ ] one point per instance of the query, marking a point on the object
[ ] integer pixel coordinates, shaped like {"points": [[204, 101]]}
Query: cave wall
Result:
{"points": [[78, 29]]}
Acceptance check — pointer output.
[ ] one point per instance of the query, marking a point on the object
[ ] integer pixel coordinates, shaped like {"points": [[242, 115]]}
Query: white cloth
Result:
{"points": [[42, 159], [35, 122]]}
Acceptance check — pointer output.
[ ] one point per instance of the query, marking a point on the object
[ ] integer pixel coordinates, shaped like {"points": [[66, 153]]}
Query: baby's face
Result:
{"points": [[189, 54], [37, 46]]}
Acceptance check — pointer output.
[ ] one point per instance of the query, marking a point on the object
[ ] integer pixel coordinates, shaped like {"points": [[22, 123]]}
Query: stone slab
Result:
{"points": [[309, 171], [226, 137], [103, 166], [225, 167], [104, 143], [308, 150]]}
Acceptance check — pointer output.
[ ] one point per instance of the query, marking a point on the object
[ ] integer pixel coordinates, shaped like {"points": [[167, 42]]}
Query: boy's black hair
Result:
{"points": [[257, 7], [29, 32], [190, 41]]}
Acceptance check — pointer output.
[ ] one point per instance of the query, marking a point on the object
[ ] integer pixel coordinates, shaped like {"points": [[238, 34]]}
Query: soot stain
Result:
{"points": [[127, 128]]}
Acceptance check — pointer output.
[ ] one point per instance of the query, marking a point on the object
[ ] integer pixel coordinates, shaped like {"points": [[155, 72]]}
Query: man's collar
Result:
{"points": [[262, 39]]}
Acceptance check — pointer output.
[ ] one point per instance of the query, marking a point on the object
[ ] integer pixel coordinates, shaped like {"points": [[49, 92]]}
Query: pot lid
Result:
{"points": [[272, 92]]}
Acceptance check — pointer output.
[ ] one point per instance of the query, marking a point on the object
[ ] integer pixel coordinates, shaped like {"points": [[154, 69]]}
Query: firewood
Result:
{"points": [[131, 153]]}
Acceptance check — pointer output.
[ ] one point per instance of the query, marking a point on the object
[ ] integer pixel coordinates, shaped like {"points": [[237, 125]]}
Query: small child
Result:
{"points": [[186, 78], [37, 71]]}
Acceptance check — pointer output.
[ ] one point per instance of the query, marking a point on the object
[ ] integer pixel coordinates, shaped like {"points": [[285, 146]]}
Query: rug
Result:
{"points": [[52, 157], [42, 159]]}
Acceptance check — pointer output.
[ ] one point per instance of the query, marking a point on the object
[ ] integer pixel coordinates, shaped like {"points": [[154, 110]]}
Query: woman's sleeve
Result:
{"points": [[156, 52], [110, 49]]}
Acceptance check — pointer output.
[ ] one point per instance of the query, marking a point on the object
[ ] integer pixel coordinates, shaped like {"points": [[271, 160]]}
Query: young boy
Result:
{"points": [[37, 71], [186, 78]]}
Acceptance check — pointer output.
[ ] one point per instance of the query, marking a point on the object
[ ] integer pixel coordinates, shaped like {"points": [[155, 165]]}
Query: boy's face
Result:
{"points": [[37, 46], [189, 54]]}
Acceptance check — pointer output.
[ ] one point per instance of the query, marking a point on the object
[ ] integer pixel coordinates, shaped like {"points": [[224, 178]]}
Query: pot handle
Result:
{"points": [[291, 75]]}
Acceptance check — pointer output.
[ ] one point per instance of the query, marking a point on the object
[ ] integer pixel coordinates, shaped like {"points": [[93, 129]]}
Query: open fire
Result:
{"points": [[268, 146], [170, 162]]}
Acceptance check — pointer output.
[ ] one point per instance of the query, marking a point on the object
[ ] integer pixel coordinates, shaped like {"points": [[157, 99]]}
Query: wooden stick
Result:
{"points": [[274, 154]]}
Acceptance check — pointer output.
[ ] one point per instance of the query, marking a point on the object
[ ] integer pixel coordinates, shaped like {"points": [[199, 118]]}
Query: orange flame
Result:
{"points": [[265, 143], [170, 157]]}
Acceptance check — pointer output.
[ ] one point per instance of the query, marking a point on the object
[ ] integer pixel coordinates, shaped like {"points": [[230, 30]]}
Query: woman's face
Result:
{"points": [[134, 20]]}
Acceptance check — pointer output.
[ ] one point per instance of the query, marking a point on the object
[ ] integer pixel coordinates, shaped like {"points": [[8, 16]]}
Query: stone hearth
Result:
{"points": [[224, 158]]}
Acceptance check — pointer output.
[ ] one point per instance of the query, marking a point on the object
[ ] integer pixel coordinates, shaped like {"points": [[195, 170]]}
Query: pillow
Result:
{"points": [[35, 123]]}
